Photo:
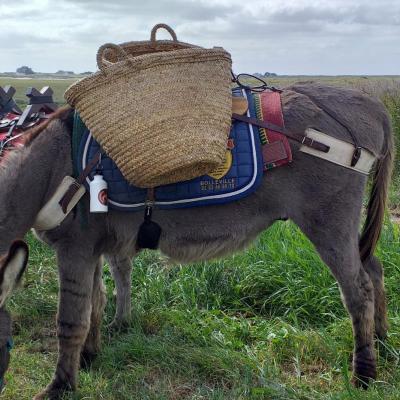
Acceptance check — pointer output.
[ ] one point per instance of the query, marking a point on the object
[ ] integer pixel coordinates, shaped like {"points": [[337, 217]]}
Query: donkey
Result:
{"points": [[12, 267], [323, 199]]}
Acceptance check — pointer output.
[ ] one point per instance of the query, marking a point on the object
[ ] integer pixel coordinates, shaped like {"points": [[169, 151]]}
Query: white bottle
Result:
{"points": [[98, 195]]}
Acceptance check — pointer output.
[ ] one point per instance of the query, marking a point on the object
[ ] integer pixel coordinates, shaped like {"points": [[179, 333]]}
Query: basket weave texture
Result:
{"points": [[160, 109]]}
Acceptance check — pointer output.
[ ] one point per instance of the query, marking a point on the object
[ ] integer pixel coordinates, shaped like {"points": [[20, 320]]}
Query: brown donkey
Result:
{"points": [[323, 199], [12, 267]]}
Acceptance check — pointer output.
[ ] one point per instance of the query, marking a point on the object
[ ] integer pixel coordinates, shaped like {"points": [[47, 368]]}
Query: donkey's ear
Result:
{"points": [[12, 268]]}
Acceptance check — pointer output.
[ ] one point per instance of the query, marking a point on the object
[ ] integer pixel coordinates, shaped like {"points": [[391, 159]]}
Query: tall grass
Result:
{"points": [[388, 91], [264, 324]]}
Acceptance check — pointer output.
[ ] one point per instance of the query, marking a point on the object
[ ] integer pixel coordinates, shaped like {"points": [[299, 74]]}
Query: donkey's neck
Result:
{"points": [[29, 177]]}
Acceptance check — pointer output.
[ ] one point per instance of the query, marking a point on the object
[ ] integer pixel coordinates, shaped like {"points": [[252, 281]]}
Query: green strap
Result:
{"points": [[79, 129]]}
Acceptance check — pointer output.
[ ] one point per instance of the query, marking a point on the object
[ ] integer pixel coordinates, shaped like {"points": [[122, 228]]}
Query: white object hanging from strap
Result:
{"points": [[98, 195]]}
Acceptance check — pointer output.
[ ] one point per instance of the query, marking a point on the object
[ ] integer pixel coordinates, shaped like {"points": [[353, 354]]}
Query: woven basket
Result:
{"points": [[162, 116]]}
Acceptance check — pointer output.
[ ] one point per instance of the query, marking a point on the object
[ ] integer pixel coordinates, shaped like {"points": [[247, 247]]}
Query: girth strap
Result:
{"points": [[306, 141]]}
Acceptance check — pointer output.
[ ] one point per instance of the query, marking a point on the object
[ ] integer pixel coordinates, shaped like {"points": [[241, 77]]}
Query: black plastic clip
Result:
{"points": [[149, 231]]}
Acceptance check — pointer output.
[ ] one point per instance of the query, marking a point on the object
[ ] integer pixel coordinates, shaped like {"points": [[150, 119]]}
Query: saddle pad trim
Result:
{"points": [[269, 109], [251, 186]]}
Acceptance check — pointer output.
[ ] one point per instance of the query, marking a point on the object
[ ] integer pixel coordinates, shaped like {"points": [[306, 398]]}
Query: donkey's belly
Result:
{"points": [[209, 232], [196, 248]]}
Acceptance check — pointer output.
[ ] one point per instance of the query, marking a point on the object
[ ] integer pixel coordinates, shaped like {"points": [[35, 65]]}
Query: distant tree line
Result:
{"points": [[265, 74], [62, 72], [25, 70]]}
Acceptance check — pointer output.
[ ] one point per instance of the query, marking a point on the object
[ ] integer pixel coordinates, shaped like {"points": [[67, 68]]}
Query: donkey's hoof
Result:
{"points": [[49, 395], [87, 359], [361, 382], [119, 325], [381, 333], [54, 391], [364, 367], [364, 377]]}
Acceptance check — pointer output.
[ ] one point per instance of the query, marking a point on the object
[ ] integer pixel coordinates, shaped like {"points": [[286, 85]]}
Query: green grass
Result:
{"points": [[264, 324], [21, 85]]}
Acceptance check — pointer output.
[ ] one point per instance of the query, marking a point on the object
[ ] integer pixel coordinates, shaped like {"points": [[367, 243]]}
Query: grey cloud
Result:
{"points": [[22, 14], [335, 36], [177, 9], [384, 13], [19, 41], [343, 13]]}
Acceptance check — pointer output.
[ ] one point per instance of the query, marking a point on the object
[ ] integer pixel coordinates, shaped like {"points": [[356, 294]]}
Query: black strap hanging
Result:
{"points": [[149, 232]]}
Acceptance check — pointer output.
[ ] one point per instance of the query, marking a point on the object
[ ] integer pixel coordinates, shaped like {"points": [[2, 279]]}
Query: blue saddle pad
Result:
{"points": [[243, 177]]}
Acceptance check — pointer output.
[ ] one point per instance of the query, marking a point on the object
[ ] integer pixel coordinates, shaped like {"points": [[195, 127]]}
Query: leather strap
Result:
{"points": [[295, 136], [85, 173], [151, 196], [70, 193], [34, 119]]}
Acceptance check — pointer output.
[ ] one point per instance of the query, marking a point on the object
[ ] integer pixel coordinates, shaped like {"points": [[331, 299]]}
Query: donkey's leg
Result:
{"points": [[337, 244], [121, 268], [93, 340], [375, 271], [76, 270]]}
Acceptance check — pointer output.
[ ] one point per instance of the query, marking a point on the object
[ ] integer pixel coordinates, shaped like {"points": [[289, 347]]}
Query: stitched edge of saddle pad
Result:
{"points": [[208, 199]]}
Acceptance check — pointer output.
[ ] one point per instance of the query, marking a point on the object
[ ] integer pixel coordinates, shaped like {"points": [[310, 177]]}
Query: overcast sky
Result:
{"points": [[284, 36]]}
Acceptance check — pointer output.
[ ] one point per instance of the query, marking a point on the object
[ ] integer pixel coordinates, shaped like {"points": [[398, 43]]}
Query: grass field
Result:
{"points": [[58, 85], [264, 324], [267, 323]]}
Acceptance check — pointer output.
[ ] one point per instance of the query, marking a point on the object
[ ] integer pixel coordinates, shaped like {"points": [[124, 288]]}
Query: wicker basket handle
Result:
{"points": [[103, 63], [166, 27]]}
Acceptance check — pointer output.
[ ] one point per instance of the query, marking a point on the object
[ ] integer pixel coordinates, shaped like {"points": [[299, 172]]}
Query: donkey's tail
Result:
{"points": [[379, 192]]}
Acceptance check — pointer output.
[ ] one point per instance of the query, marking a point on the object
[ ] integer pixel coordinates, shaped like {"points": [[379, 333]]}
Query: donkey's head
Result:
{"points": [[12, 266]]}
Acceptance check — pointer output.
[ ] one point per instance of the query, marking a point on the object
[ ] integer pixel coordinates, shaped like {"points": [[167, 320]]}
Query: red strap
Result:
{"points": [[272, 108], [278, 152]]}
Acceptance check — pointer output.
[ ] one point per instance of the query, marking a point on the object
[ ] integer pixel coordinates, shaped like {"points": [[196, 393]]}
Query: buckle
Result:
{"points": [[5, 123], [356, 156], [2, 146]]}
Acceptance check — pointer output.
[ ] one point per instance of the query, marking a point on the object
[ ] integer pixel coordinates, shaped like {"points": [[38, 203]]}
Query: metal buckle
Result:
{"points": [[356, 156], [5, 123]]}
